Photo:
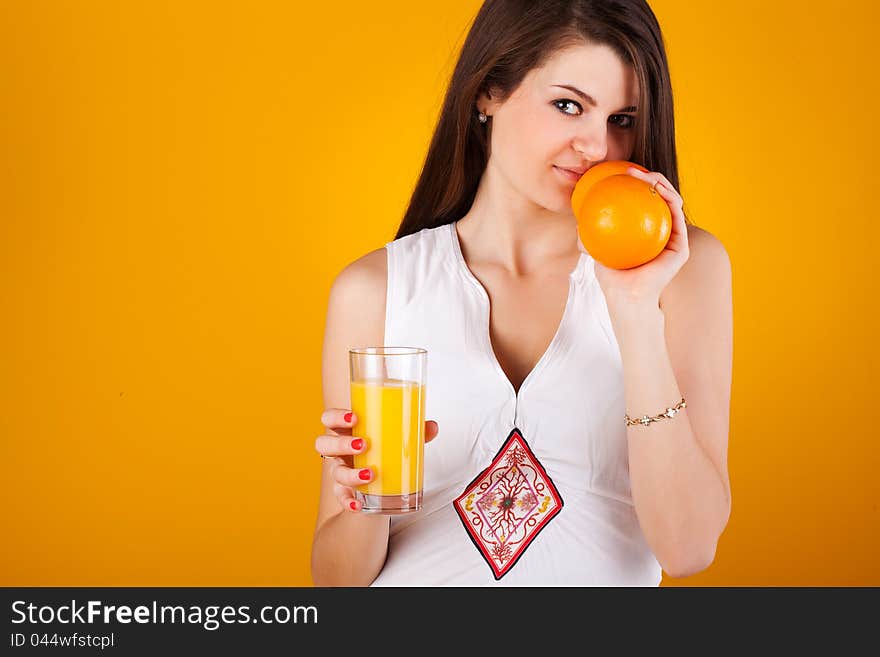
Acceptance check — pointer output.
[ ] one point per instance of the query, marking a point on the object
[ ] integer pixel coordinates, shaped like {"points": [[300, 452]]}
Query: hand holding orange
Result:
{"points": [[622, 220]]}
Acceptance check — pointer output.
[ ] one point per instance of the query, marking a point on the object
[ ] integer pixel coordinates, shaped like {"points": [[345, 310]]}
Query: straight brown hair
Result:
{"points": [[509, 38]]}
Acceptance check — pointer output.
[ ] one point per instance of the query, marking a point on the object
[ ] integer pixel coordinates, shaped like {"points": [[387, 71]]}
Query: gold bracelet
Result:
{"points": [[668, 413]]}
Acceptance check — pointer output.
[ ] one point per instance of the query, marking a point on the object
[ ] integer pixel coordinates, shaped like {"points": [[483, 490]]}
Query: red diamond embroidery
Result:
{"points": [[508, 503]]}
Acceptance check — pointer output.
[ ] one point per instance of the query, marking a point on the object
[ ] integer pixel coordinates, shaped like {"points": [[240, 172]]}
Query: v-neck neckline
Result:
{"points": [[573, 277]]}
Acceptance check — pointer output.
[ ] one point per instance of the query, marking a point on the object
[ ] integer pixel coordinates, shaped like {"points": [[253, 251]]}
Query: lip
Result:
{"points": [[568, 174]]}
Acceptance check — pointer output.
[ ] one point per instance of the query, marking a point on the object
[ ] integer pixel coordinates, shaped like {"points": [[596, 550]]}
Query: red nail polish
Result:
{"points": [[347, 417], [353, 505], [357, 443], [364, 474]]}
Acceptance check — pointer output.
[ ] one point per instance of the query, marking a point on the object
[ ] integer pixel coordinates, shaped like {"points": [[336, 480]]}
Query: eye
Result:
{"points": [[627, 124], [629, 121], [566, 101]]}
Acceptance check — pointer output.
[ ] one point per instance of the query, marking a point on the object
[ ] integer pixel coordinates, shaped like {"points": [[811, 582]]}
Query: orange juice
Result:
{"points": [[391, 420]]}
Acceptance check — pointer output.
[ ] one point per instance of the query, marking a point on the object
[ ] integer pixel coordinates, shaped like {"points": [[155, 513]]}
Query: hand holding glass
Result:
{"points": [[388, 401]]}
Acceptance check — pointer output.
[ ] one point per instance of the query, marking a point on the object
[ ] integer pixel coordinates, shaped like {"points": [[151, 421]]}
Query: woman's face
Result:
{"points": [[543, 126]]}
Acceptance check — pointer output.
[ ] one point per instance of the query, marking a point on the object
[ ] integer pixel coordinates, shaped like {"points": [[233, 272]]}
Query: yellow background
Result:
{"points": [[181, 182]]}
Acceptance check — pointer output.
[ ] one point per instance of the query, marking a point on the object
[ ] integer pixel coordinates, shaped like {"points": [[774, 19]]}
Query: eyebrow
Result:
{"points": [[588, 98]]}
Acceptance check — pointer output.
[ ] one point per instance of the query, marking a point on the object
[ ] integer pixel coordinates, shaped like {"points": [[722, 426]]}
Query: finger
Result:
{"points": [[346, 498], [673, 200], [655, 179], [338, 418], [667, 191], [638, 173], [339, 446], [678, 240], [669, 196], [352, 477], [652, 176], [431, 430], [682, 232], [665, 182]]}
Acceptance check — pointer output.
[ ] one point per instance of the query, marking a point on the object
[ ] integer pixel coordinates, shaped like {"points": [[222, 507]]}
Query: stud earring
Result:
{"points": [[483, 118]]}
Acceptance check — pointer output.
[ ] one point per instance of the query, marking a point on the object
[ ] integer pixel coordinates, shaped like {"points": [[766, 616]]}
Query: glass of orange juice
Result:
{"points": [[388, 400]]}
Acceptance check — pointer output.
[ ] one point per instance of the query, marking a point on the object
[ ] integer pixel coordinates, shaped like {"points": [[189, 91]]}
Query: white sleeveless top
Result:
{"points": [[527, 489]]}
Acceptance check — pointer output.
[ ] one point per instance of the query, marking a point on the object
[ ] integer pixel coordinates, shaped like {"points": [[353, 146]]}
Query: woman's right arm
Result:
{"points": [[349, 547]]}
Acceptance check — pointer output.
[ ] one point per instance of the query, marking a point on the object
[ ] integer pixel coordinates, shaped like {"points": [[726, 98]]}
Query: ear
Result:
{"points": [[488, 101]]}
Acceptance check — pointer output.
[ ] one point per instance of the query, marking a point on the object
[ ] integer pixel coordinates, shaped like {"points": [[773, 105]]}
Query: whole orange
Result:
{"points": [[594, 175], [623, 221]]}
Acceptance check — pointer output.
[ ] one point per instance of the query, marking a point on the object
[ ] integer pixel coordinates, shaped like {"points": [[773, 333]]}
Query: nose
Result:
{"points": [[592, 142]]}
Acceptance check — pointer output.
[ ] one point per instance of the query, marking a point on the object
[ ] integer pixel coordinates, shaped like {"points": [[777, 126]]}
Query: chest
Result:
{"points": [[524, 316]]}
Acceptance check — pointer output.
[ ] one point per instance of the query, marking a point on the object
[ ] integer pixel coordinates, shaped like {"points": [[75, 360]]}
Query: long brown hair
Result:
{"points": [[509, 38]]}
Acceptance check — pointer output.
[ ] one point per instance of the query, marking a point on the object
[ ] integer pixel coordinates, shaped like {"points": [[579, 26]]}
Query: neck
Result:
{"points": [[501, 233]]}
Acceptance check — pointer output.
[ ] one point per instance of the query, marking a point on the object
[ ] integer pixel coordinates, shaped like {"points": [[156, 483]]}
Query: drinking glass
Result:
{"points": [[388, 400]]}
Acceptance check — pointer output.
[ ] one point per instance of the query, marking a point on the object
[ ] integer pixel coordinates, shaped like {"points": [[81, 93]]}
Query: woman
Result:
{"points": [[538, 353]]}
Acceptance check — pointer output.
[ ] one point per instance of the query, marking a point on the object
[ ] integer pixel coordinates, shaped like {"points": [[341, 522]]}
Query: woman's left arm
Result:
{"points": [[673, 320]]}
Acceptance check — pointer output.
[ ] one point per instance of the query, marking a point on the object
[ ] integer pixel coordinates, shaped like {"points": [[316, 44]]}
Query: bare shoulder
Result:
{"points": [[705, 248], [707, 269], [356, 307], [363, 281], [355, 318], [374, 260]]}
